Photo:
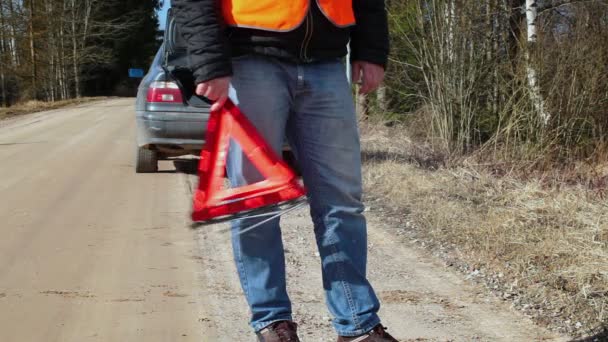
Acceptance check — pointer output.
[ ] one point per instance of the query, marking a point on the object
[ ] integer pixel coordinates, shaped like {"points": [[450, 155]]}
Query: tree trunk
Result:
{"points": [[537, 99], [450, 21], [51, 47], [33, 49], [75, 65], [491, 42], [2, 55], [3, 80], [13, 35], [87, 17], [516, 20], [61, 56]]}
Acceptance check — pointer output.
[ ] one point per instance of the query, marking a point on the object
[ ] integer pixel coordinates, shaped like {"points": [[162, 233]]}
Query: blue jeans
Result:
{"points": [[312, 105]]}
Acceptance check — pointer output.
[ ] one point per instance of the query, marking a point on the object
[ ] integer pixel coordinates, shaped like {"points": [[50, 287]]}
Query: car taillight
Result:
{"points": [[164, 92]]}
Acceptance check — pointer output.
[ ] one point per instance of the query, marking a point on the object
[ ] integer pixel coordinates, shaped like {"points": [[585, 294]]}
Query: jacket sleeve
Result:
{"points": [[370, 38], [203, 29]]}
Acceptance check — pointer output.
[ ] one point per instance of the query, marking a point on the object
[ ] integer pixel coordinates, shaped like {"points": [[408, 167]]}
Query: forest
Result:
{"points": [[53, 50], [523, 83], [516, 83], [488, 139]]}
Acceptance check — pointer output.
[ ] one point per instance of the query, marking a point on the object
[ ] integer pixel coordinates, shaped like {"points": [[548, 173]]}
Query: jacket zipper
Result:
{"points": [[307, 36]]}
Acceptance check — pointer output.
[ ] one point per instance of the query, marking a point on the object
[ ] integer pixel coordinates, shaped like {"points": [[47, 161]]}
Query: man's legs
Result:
{"points": [[323, 131], [259, 88]]}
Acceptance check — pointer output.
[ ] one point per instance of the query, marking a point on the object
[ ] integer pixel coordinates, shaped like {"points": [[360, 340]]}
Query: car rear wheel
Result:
{"points": [[146, 160]]}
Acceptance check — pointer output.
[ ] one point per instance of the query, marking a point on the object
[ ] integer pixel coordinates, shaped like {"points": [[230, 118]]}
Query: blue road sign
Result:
{"points": [[136, 73]]}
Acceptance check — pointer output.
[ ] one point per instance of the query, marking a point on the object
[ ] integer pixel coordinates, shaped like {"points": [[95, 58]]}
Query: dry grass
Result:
{"points": [[544, 248], [38, 106]]}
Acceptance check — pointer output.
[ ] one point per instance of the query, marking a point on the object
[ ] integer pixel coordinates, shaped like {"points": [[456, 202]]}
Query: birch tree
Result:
{"points": [[50, 49], [532, 74], [32, 46]]}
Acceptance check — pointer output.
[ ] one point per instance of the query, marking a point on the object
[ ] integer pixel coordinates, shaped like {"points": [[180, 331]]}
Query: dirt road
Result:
{"points": [[90, 251]]}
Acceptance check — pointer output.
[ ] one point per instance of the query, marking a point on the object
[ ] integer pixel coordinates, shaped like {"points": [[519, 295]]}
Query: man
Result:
{"points": [[280, 61]]}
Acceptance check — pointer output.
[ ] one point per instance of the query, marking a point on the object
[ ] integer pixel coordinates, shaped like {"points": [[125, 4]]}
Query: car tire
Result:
{"points": [[146, 161]]}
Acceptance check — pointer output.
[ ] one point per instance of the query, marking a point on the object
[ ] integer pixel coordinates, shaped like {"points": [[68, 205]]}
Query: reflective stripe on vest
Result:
{"points": [[283, 15]]}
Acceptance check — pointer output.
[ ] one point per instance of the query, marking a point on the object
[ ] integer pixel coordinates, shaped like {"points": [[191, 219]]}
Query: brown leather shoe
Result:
{"points": [[282, 331], [378, 334]]}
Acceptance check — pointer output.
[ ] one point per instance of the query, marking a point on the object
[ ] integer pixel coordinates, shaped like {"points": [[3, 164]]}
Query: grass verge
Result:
{"points": [[544, 248], [39, 106]]}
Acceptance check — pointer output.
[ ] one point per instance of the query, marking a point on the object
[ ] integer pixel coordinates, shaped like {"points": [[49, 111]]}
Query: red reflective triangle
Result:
{"points": [[211, 200]]}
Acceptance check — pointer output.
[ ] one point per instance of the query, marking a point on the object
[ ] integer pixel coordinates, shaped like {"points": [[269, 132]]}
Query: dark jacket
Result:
{"points": [[211, 44]]}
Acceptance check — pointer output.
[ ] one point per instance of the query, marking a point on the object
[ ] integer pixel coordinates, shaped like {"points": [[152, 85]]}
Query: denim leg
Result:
{"points": [[259, 88], [324, 133]]}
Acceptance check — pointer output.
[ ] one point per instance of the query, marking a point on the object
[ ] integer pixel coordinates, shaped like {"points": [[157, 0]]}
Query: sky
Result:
{"points": [[162, 14]]}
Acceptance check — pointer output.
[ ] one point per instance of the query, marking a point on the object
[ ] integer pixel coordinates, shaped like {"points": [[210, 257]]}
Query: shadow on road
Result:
{"points": [[22, 143], [185, 166], [601, 337]]}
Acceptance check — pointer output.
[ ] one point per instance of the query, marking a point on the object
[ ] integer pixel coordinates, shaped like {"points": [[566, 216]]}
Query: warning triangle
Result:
{"points": [[211, 201]]}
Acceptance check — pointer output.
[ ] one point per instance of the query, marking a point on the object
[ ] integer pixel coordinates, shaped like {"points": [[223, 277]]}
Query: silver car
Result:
{"points": [[171, 119]]}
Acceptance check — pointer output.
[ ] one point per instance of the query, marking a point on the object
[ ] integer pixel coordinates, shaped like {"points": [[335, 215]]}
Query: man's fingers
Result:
{"points": [[201, 89], [366, 85], [219, 103], [368, 75], [211, 93], [369, 85], [215, 107], [365, 88], [215, 90], [372, 78]]}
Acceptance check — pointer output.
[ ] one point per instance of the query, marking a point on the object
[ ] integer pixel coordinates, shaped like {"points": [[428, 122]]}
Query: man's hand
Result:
{"points": [[369, 75], [215, 90]]}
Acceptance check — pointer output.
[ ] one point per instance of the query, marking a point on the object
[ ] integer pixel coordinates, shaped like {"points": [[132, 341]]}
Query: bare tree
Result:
{"points": [[532, 38], [31, 28], [3, 51]]}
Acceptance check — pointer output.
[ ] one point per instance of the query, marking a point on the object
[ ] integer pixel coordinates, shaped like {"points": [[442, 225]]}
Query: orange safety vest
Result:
{"points": [[283, 15]]}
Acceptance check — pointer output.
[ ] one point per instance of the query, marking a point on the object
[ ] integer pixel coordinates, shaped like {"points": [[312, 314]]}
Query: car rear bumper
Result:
{"points": [[173, 129]]}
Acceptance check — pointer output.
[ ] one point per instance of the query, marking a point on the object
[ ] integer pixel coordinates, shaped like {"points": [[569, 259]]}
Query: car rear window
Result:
{"points": [[174, 39], [177, 52]]}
